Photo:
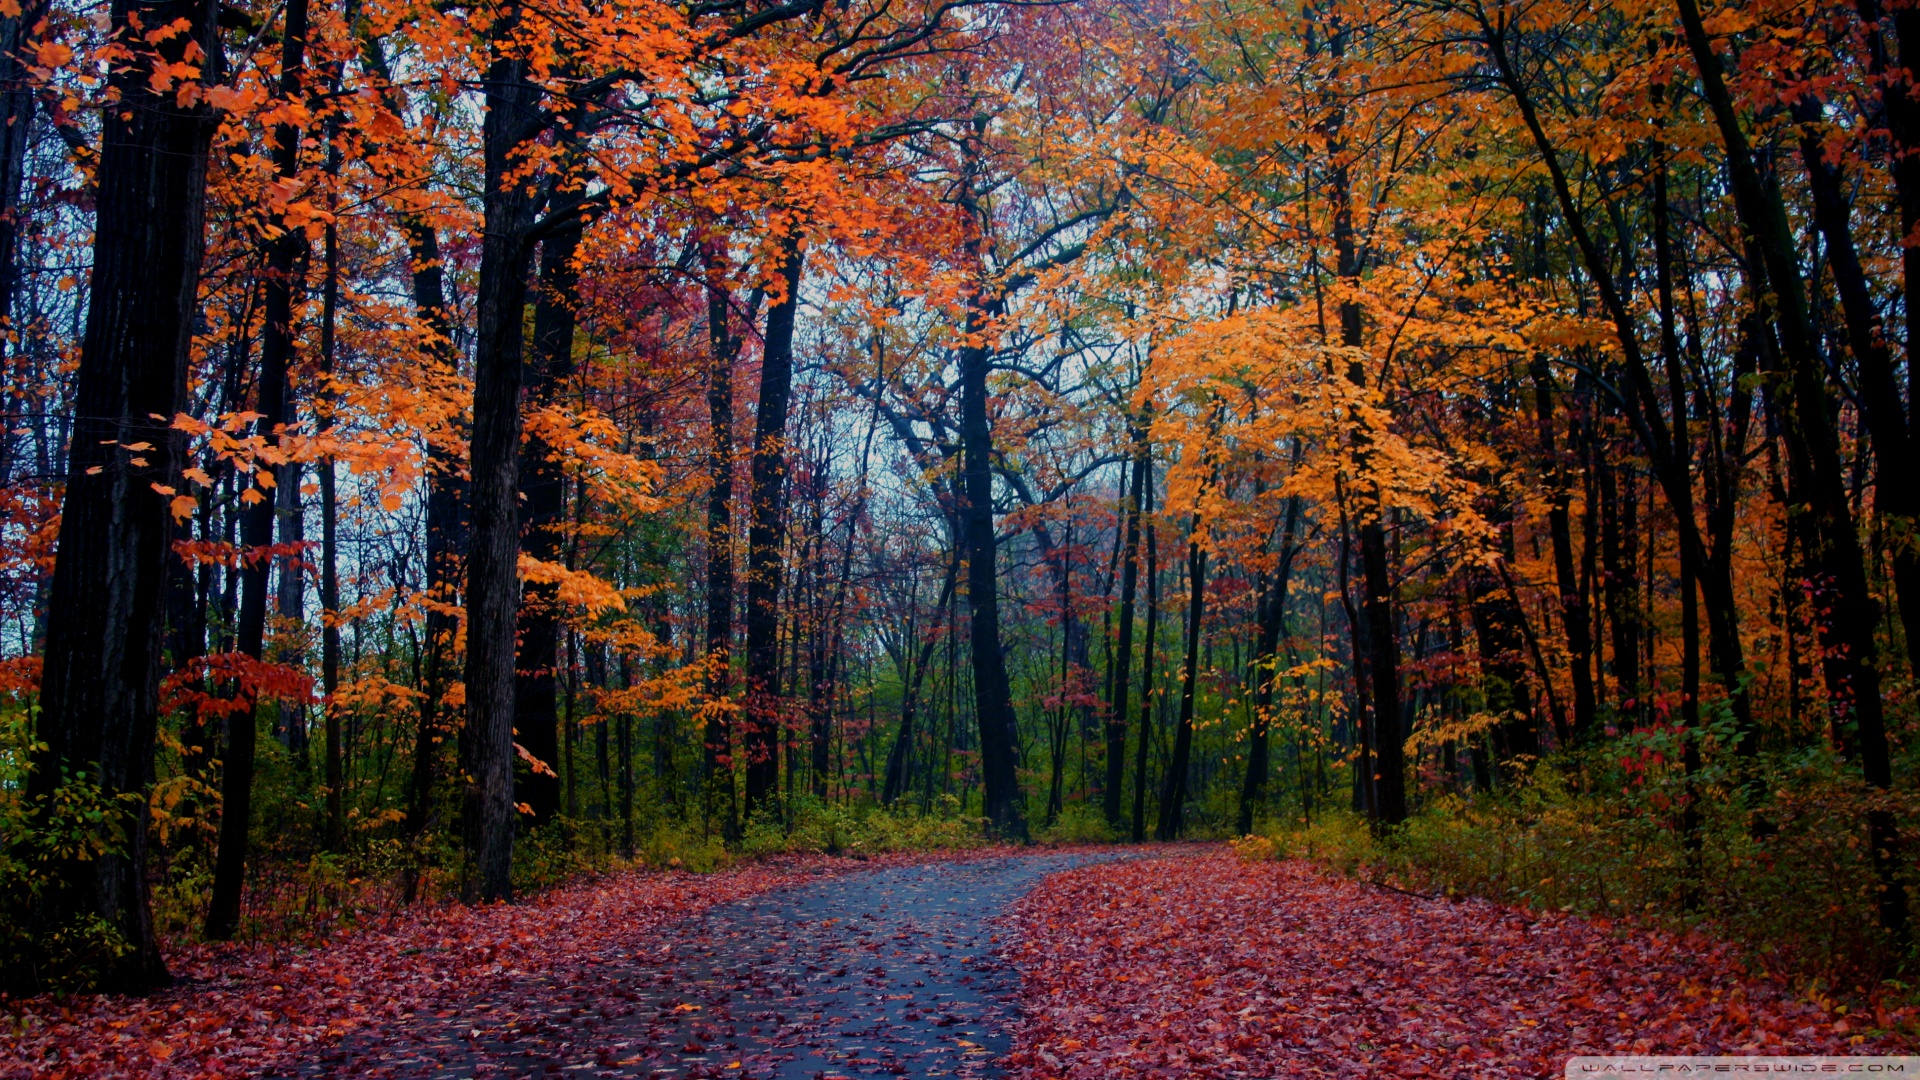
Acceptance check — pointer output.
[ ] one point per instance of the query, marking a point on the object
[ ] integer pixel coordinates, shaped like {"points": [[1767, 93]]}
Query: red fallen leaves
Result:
{"points": [[1211, 967], [240, 1010]]}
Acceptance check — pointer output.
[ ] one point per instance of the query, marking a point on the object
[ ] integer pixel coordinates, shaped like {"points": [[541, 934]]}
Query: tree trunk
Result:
{"points": [[993, 696], [543, 499], [1847, 630], [766, 536], [1574, 619], [1123, 649], [1896, 437], [100, 683], [1173, 797], [1619, 524], [1146, 664], [1266, 659], [18, 36], [284, 256], [723, 350], [493, 583], [897, 760], [330, 550]]}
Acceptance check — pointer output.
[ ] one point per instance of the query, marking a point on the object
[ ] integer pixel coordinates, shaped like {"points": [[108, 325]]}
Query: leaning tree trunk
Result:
{"points": [[1847, 628], [99, 691]]}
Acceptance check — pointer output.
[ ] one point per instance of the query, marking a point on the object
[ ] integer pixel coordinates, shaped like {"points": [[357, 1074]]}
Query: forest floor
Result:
{"points": [[1082, 963]]}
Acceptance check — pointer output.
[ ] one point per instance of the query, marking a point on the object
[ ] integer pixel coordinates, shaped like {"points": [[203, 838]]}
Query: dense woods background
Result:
{"points": [[450, 446]]}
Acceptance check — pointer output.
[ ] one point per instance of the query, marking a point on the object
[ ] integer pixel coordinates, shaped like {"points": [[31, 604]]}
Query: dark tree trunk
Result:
{"points": [[993, 696], [1173, 792], [1123, 649], [445, 549], [1500, 637], [100, 683], [1146, 665], [1619, 525], [1896, 436], [1851, 614], [284, 257], [18, 36], [898, 760], [1573, 601], [1639, 397], [544, 502], [330, 561], [1381, 643], [493, 582], [445, 525], [18, 33], [723, 350], [766, 536], [1266, 660]]}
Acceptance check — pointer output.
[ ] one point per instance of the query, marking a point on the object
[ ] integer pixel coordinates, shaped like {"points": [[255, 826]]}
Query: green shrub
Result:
{"points": [[1079, 823], [51, 950], [864, 828], [1589, 837]]}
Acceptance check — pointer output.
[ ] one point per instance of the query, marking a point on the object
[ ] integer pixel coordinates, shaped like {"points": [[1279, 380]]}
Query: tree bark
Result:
{"points": [[723, 351], [1173, 792], [493, 583], [898, 759], [543, 499], [100, 683], [766, 535], [993, 695], [1146, 664], [1123, 649], [1896, 500], [1573, 603], [1266, 659]]}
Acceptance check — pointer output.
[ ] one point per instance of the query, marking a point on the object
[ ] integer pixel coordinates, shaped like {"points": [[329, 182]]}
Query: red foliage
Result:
{"points": [[241, 1010], [1211, 967]]}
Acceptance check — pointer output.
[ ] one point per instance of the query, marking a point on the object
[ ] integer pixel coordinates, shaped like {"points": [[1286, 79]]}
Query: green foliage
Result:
{"points": [[1603, 836], [81, 823], [557, 852], [1078, 823], [863, 828]]}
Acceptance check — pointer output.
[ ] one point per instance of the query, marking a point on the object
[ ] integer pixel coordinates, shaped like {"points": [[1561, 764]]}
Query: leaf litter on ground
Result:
{"points": [[1212, 966], [247, 1009]]}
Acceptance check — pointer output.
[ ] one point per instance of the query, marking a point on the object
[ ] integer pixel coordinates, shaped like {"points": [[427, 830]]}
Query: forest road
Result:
{"points": [[878, 973]]}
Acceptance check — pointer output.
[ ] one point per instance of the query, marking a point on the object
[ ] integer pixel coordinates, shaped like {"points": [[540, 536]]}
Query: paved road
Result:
{"points": [[883, 973]]}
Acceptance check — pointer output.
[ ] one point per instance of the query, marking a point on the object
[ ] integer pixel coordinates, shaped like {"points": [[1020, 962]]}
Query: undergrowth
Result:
{"points": [[1785, 875], [306, 896]]}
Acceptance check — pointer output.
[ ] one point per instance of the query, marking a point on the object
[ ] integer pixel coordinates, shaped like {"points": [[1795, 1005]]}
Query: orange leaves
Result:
{"points": [[540, 768], [395, 465], [584, 442], [574, 588]]}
